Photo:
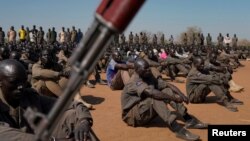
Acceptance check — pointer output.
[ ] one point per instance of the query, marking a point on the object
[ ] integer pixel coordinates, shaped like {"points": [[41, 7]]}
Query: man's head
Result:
{"points": [[150, 54], [45, 57], [63, 28], [34, 26], [15, 55], [12, 28], [13, 79], [22, 27], [41, 28], [142, 68], [198, 63], [117, 56], [212, 57], [73, 27], [4, 52]]}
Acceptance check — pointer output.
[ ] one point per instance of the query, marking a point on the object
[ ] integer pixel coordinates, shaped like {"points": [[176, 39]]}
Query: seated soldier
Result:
{"points": [[49, 78], [174, 66], [144, 97], [117, 72], [16, 97], [201, 82], [63, 61], [223, 70]]}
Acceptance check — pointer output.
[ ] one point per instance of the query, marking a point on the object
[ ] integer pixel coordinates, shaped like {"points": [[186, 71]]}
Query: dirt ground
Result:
{"points": [[109, 126]]}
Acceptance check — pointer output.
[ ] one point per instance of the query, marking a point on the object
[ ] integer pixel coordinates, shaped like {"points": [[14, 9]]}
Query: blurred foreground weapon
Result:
{"points": [[111, 17]]}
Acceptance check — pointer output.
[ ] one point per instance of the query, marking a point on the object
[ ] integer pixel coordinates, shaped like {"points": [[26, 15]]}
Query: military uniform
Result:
{"points": [[138, 110], [156, 73], [162, 40], [185, 40], [174, 66], [40, 37], [73, 36], [200, 84], [155, 40], [2, 36], [131, 38], [220, 40], [123, 39], [136, 39], [209, 40], [13, 126], [234, 41]]}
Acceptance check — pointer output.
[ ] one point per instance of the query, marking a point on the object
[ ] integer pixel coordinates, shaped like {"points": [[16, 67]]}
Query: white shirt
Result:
{"points": [[227, 40]]}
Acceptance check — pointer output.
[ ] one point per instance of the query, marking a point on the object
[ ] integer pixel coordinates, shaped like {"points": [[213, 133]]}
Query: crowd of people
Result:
{"points": [[34, 71]]}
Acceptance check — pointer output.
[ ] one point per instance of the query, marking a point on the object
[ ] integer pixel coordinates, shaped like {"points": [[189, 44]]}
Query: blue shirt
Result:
{"points": [[111, 71]]}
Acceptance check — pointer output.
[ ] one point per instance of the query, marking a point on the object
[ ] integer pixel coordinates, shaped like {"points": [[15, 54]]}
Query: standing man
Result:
{"points": [[142, 40], [79, 35], [68, 36], [227, 40], [198, 39], [162, 39], [209, 40], [22, 34], [2, 36], [53, 36], [234, 41], [33, 34], [154, 40], [40, 35], [62, 36], [131, 38], [220, 40], [27, 37], [185, 39], [136, 39], [123, 38], [48, 35], [202, 39], [145, 38], [12, 34], [171, 40], [73, 35]]}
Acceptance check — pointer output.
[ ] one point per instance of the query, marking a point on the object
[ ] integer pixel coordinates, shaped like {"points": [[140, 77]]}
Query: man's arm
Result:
{"points": [[39, 73], [156, 94], [204, 79], [123, 66]]}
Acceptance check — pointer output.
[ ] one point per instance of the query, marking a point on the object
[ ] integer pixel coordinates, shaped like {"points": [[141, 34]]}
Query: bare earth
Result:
{"points": [[109, 126]]}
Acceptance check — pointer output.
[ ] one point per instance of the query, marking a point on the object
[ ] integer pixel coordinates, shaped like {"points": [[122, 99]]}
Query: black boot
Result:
{"points": [[182, 132], [230, 106], [195, 124]]}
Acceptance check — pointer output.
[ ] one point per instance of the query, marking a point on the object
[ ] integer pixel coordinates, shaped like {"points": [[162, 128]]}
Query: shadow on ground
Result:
{"points": [[93, 99]]}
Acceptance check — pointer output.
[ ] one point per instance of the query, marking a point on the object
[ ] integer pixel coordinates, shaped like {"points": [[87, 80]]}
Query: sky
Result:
{"points": [[172, 17]]}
